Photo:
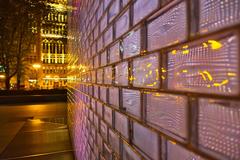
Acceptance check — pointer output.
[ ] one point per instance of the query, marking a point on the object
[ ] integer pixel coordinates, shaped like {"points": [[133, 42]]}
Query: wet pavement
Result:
{"points": [[34, 131]]}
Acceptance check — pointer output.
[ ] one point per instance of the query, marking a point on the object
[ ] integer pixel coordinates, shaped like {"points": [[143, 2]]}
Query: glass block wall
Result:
{"points": [[154, 79]]}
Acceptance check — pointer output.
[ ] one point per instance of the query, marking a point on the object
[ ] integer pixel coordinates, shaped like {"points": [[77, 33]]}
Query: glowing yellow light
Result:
{"points": [[150, 72], [163, 77], [208, 85], [174, 52], [215, 44], [164, 70], [232, 74], [208, 75], [36, 121], [186, 46], [157, 94], [184, 71], [132, 78], [149, 65], [220, 84], [173, 142], [178, 73], [185, 51], [203, 76], [2, 76], [36, 66], [205, 45]]}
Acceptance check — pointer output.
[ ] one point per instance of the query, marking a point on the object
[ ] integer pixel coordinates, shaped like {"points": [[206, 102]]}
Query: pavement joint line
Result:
{"points": [[38, 155]]}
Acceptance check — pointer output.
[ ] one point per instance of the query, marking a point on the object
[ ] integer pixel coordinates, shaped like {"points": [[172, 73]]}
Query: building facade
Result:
{"points": [[155, 79]]}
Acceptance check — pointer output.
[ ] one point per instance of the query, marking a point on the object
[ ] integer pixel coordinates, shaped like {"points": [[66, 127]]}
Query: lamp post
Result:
{"points": [[36, 66]]}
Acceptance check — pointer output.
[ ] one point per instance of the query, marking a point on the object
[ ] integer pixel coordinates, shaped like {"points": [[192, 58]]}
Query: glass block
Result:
{"points": [[122, 24], [114, 141], [100, 109], [93, 76], [206, 66], [107, 153], [169, 28], [108, 36], [129, 153], [103, 94], [100, 142], [114, 100], [100, 76], [114, 53], [146, 140], [106, 3], [167, 112], [100, 11], [114, 10], [103, 130], [104, 58], [131, 44], [146, 71], [131, 102], [108, 115], [93, 104], [121, 124], [96, 121], [218, 14], [219, 127], [96, 62], [108, 75], [125, 2], [96, 91], [95, 32], [103, 23], [100, 44], [175, 151], [143, 5], [121, 74]]}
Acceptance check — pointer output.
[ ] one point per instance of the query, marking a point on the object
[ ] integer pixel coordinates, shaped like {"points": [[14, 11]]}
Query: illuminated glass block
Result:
{"points": [[108, 36], [121, 74], [129, 153], [114, 141], [219, 127], [114, 99], [218, 14], [121, 124], [143, 5], [103, 94], [103, 130], [131, 102], [108, 115], [169, 28], [146, 140], [100, 109], [131, 44], [146, 71], [104, 58], [175, 151], [167, 112], [122, 24], [108, 75], [113, 10], [103, 23], [207, 66], [100, 76], [114, 53]]}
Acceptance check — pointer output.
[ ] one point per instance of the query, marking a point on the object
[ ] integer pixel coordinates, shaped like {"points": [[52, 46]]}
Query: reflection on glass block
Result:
{"points": [[131, 102], [121, 124], [114, 99], [114, 9], [103, 23], [121, 74], [104, 58], [103, 94], [131, 44], [169, 28], [122, 24], [129, 154], [96, 91], [114, 141], [207, 66], [175, 152], [108, 36], [100, 76], [96, 62], [146, 72], [218, 14], [100, 109], [114, 53], [142, 8], [167, 112], [146, 140], [108, 75], [108, 115], [99, 44], [103, 130], [219, 127]]}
